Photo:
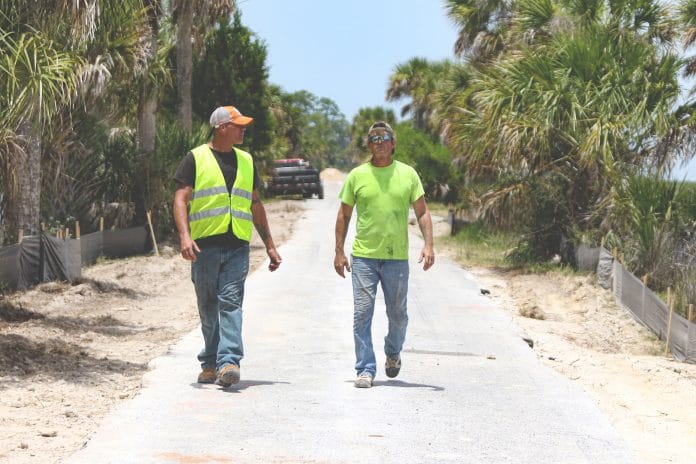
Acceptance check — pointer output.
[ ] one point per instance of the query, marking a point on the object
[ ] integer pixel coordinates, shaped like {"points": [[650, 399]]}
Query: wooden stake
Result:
{"points": [[691, 312], [669, 323], [152, 232], [645, 280], [77, 230], [101, 223], [67, 233], [20, 235]]}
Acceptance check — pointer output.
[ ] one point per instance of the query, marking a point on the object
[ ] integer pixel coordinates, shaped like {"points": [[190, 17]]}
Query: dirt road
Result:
{"points": [[70, 353]]}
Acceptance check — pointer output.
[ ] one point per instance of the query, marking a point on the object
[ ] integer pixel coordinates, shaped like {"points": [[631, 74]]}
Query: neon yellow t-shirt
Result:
{"points": [[382, 198]]}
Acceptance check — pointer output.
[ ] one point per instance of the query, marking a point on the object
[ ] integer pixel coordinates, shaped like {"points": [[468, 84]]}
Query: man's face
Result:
{"points": [[381, 142], [232, 132]]}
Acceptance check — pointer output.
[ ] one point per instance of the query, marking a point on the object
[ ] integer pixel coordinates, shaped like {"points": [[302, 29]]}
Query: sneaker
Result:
{"points": [[364, 380], [207, 375], [392, 366], [228, 375]]}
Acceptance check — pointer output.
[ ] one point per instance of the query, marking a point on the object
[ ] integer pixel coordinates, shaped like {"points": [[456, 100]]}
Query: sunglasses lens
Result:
{"points": [[380, 138]]}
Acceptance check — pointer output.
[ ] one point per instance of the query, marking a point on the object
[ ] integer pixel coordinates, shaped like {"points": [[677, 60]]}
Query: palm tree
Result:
{"points": [[192, 17], [420, 80], [55, 54], [37, 80], [483, 25], [147, 102], [567, 106], [687, 17]]}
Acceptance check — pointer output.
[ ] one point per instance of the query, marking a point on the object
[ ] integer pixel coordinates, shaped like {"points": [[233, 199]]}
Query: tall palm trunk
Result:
{"points": [[147, 105], [184, 62], [27, 204], [147, 122]]}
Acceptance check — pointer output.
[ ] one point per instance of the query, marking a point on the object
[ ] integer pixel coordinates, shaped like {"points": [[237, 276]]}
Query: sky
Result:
{"points": [[346, 50]]}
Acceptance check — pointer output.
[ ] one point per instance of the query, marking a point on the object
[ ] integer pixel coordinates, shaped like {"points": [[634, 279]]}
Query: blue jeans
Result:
{"points": [[218, 275], [366, 274]]}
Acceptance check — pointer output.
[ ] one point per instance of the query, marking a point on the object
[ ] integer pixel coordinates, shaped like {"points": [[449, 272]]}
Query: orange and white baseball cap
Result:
{"points": [[231, 114]]}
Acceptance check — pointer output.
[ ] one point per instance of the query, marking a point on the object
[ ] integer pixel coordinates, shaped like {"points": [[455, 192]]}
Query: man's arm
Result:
{"points": [[341, 261], [258, 213], [182, 196], [427, 256]]}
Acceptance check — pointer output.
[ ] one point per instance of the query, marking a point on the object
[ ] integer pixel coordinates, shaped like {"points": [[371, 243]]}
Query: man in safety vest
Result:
{"points": [[215, 205]]}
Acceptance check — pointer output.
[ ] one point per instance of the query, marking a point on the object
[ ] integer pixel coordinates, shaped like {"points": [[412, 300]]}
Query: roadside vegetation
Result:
{"points": [[555, 123], [565, 120]]}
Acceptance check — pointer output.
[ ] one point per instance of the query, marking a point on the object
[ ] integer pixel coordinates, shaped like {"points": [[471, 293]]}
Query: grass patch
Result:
{"points": [[475, 245], [438, 209]]}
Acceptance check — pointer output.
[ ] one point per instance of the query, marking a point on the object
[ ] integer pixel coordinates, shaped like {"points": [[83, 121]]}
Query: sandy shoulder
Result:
{"points": [[648, 396], [71, 353]]}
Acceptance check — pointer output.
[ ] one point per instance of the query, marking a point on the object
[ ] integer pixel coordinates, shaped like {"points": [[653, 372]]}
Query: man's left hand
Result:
{"points": [[427, 257], [275, 259]]}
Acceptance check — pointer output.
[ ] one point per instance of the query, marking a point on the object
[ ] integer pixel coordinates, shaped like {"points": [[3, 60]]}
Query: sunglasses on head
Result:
{"points": [[380, 138]]}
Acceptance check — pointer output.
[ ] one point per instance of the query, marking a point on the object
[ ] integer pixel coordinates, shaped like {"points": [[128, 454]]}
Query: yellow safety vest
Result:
{"points": [[212, 207]]}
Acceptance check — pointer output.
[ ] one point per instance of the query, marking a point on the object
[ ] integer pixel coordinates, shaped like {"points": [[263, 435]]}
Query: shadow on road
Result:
{"points": [[242, 385], [402, 384]]}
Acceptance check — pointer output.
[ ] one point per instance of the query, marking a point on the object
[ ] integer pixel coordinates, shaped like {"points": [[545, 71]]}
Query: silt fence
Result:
{"points": [[43, 258], [646, 307]]}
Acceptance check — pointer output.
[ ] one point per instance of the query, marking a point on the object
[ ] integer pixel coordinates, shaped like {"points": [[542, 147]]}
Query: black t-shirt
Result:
{"points": [[186, 174]]}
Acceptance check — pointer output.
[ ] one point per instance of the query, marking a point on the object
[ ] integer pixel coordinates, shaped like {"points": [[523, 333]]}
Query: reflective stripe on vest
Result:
{"points": [[212, 208]]}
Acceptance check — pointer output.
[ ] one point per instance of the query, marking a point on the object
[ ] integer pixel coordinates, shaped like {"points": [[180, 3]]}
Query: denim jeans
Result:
{"points": [[218, 276], [393, 276]]}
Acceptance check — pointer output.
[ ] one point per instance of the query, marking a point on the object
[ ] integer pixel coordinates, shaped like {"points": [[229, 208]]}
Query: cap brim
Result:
{"points": [[242, 121]]}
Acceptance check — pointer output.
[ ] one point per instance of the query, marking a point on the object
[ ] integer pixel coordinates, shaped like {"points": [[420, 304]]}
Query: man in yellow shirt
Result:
{"points": [[382, 190]]}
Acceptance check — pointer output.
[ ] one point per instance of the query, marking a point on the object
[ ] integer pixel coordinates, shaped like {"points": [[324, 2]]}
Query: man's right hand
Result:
{"points": [[189, 248], [341, 263]]}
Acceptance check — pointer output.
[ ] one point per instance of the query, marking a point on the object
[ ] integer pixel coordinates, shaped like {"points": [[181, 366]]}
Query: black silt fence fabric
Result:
{"points": [[119, 243], [61, 259], [9, 257], [90, 248], [28, 265], [587, 258], [126, 242], [34, 261]]}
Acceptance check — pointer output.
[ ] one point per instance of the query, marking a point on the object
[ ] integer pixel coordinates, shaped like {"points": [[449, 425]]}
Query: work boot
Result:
{"points": [[228, 375], [207, 375], [392, 366], [364, 380]]}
